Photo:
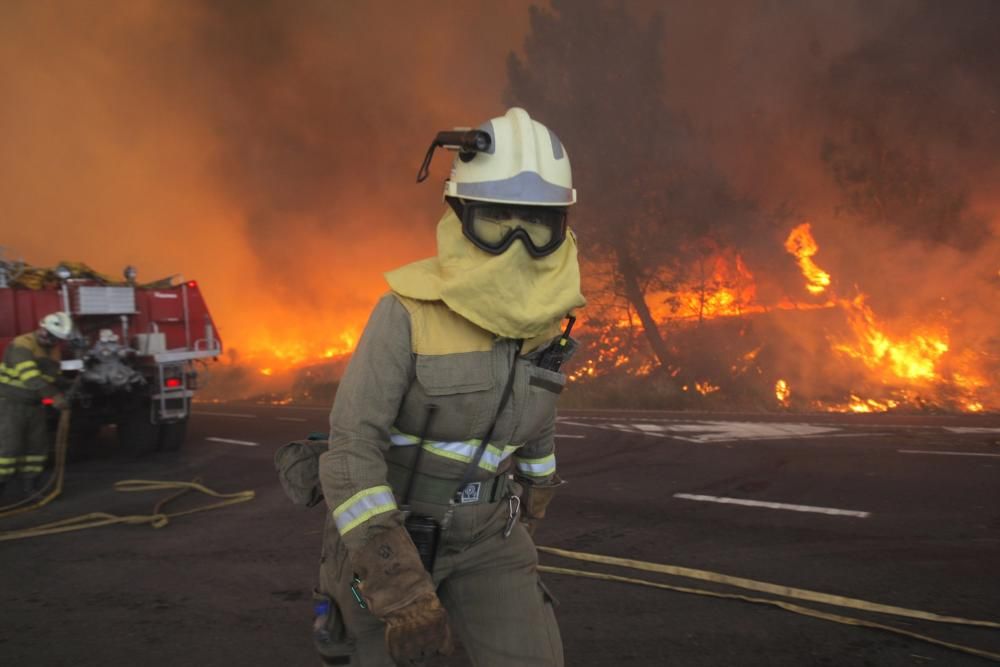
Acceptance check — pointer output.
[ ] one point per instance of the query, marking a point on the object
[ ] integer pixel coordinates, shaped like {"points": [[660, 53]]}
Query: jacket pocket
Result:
{"points": [[460, 373], [541, 379], [460, 385]]}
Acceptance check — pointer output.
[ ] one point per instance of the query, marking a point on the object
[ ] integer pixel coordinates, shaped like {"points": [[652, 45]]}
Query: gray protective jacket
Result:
{"points": [[413, 354]]}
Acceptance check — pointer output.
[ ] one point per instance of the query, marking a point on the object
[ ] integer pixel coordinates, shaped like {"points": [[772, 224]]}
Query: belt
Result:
{"points": [[440, 491]]}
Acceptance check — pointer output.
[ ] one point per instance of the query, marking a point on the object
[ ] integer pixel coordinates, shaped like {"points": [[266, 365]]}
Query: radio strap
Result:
{"points": [[470, 470]]}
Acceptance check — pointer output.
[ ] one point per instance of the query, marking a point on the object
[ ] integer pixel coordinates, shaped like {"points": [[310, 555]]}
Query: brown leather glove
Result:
{"points": [[418, 630], [399, 592], [535, 498]]}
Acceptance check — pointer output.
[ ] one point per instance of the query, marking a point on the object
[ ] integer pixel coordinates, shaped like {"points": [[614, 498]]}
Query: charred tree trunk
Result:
{"points": [[637, 297]]}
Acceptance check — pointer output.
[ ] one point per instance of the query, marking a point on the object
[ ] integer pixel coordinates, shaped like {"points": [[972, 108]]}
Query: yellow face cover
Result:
{"points": [[512, 294]]}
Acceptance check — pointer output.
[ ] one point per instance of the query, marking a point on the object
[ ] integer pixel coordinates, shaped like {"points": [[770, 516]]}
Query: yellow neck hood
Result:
{"points": [[512, 294]]}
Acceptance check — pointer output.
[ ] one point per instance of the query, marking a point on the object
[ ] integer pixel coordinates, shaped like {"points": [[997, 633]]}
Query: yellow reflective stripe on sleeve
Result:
{"points": [[31, 468], [6, 471], [536, 467], [34, 458], [8, 460], [362, 506], [48, 378], [27, 375], [25, 365]]}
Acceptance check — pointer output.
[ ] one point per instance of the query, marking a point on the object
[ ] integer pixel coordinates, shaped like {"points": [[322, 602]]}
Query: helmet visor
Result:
{"points": [[495, 227]]}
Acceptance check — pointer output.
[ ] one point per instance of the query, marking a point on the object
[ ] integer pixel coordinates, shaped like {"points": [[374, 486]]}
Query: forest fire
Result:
{"points": [[874, 365], [801, 244]]}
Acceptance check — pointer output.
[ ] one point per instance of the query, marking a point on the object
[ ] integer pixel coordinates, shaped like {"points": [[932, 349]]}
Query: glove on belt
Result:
{"points": [[399, 592], [535, 499]]}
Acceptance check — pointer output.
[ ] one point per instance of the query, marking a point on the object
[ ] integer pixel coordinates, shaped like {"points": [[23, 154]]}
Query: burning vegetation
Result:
{"points": [[255, 128], [724, 342]]}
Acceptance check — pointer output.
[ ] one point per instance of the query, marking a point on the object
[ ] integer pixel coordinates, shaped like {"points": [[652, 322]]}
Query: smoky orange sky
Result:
{"points": [[269, 149]]}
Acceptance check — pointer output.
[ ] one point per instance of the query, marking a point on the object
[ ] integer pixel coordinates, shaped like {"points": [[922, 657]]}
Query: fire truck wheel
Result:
{"points": [[137, 435], [173, 435]]}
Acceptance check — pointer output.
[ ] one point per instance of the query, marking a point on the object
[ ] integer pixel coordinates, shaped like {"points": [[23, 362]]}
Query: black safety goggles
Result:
{"points": [[494, 227]]}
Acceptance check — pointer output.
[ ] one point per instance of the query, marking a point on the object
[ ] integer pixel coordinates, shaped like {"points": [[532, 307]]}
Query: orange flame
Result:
{"points": [[782, 392], [914, 360], [800, 242], [705, 387]]}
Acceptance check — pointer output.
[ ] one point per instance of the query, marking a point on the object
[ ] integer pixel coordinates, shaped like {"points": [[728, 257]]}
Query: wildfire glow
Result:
{"points": [[724, 287], [705, 388], [782, 392], [801, 244], [915, 362], [911, 357], [267, 371]]}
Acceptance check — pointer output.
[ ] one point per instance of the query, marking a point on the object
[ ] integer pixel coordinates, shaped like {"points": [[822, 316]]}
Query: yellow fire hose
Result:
{"points": [[160, 518], [157, 519], [774, 589]]}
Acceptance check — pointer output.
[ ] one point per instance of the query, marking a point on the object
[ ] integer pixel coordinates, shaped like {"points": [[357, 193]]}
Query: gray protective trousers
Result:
{"points": [[497, 606], [24, 439]]}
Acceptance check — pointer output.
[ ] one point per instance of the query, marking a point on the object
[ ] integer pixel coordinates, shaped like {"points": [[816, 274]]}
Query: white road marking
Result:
{"points": [[971, 429], [245, 443], [291, 419], [922, 451], [564, 435], [226, 414], [702, 431], [774, 506]]}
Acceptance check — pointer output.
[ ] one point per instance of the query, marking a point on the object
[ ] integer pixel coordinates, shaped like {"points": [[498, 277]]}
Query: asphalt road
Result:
{"points": [[896, 510]]}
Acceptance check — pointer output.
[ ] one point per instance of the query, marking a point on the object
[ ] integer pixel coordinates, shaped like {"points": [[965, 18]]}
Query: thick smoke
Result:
{"points": [[269, 149]]}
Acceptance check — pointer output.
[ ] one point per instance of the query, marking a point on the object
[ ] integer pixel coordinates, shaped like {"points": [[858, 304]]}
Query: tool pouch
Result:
{"points": [[330, 636], [297, 464], [424, 531]]}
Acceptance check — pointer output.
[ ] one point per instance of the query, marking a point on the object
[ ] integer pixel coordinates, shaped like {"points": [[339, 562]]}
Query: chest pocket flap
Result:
{"points": [[455, 373]]}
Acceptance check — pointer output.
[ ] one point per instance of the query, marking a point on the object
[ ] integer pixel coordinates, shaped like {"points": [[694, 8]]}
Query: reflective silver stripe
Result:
{"points": [[401, 439], [537, 467], [461, 450], [362, 506], [528, 186]]}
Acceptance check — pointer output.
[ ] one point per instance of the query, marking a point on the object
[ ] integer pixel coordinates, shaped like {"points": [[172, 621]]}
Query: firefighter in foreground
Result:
{"points": [[424, 537], [28, 375]]}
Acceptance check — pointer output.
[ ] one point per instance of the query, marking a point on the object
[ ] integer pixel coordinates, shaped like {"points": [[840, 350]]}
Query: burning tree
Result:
{"points": [[648, 202]]}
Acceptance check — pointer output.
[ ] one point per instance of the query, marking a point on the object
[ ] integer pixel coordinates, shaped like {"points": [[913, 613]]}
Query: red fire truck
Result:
{"points": [[133, 353]]}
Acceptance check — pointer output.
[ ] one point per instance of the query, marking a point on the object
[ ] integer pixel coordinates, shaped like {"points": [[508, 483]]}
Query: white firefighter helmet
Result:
{"points": [[525, 164], [58, 324]]}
